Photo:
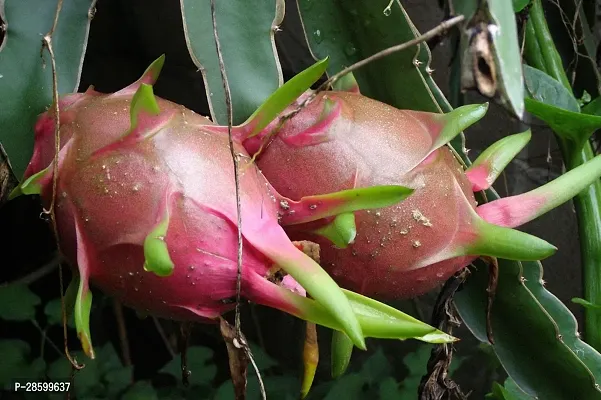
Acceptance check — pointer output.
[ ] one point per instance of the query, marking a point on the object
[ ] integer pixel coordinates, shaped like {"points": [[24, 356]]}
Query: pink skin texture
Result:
{"points": [[343, 140]]}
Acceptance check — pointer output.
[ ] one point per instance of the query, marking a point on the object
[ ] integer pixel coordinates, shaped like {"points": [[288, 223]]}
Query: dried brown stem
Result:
{"points": [[436, 384], [47, 44]]}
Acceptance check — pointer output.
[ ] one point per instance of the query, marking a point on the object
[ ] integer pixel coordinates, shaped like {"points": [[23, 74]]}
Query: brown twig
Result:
{"points": [[122, 329], [47, 44]]}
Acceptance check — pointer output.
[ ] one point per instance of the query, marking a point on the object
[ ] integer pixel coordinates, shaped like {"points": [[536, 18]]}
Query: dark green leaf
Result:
{"points": [[105, 376], [14, 363], [545, 89], [348, 387], [521, 308], [87, 381], [200, 364], [350, 31], [554, 104], [54, 316], [118, 379], [376, 367], [246, 35], [263, 360], [389, 389], [593, 108], [519, 5], [569, 125], [25, 84], [141, 390], [17, 303]]}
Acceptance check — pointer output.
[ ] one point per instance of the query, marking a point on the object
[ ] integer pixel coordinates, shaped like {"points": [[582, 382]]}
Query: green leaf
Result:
{"points": [[542, 87], [54, 315], [537, 345], [376, 367], [17, 303], [246, 35], [25, 84], [352, 30], [555, 105], [389, 389], [519, 5], [263, 360], [570, 125], [103, 377], [593, 108], [348, 387], [200, 364], [141, 390], [16, 364]]}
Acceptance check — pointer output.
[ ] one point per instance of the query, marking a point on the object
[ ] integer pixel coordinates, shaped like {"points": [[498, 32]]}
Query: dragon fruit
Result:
{"points": [[146, 209], [343, 140]]}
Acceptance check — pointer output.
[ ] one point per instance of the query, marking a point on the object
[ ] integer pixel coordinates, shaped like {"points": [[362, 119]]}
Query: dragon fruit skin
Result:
{"points": [[154, 188], [344, 140], [145, 208]]}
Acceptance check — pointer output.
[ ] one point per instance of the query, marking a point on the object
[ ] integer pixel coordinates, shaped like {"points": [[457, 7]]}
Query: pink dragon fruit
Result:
{"points": [[343, 140], [146, 209]]}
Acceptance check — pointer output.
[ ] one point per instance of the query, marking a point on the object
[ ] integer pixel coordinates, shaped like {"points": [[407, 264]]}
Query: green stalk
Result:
{"points": [[550, 56], [587, 203]]}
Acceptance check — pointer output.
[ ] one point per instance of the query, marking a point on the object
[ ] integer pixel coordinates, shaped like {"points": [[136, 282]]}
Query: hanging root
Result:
{"points": [[436, 384], [491, 290]]}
